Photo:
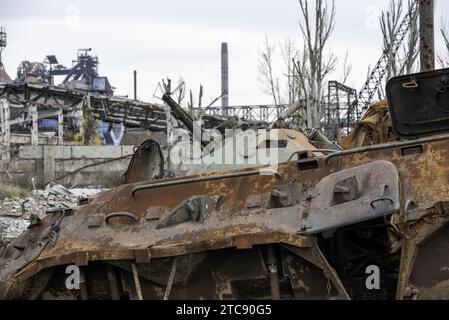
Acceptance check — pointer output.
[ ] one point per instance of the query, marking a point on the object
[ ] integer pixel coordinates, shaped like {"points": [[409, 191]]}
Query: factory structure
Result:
{"points": [[36, 109]]}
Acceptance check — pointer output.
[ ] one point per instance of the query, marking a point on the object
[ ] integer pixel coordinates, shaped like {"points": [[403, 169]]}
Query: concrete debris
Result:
{"points": [[15, 213], [57, 189]]}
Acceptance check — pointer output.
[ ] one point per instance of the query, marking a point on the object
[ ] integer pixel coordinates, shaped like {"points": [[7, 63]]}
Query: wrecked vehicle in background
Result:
{"points": [[309, 229]]}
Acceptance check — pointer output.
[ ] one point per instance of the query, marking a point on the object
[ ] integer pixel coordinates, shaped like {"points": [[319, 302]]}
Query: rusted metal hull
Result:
{"points": [[190, 238]]}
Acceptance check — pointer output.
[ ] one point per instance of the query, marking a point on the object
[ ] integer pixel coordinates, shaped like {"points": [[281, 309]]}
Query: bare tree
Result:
{"points": [[411, 51], [305, 69], [317, 25], [290, 54], [283, 90], [265, 69], [347, 69]]}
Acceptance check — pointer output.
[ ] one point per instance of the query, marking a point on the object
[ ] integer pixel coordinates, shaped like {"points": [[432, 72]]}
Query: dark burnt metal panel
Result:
{"points": [[352, 196], [429, 278], [425, 260], [146, 164], [419, 103]]}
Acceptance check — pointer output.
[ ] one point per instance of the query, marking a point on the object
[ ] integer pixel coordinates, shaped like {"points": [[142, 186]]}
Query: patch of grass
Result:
{"points": [[12, 191]]}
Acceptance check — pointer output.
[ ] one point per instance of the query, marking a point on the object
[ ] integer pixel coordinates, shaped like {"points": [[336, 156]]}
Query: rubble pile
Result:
{"points": [[15, 212]]}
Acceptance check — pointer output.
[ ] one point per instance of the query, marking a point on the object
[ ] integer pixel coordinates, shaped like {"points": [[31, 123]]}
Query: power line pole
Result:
{"points": [[427, 35]]}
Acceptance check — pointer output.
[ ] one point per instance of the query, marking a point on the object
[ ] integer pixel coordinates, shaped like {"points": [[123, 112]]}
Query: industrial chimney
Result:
{"points": [[224, 78], [135, 84], [2, 44]]}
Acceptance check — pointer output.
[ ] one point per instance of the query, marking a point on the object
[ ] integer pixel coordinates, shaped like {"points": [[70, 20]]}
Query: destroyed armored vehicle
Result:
{"points": [[363, 223]]}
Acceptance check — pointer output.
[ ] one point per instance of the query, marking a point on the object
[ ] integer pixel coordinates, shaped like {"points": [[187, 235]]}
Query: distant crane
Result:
{"points": [[376, 76]]}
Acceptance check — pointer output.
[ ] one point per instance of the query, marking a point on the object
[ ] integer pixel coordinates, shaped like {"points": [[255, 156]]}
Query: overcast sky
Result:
{"points": [[179, 38]]}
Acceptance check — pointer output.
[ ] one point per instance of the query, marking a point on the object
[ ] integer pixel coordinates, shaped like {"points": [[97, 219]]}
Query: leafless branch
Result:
{"points": [[347, 69], [443, 59], [265, 71]]}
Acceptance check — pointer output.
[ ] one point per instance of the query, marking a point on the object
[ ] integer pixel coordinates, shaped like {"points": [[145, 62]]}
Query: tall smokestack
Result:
{"points": [[427, 35], [224, 78], [135, 85]]}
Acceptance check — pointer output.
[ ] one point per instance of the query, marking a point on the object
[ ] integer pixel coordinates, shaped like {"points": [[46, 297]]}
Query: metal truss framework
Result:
{"points": [[340, 117], [256, 113]]}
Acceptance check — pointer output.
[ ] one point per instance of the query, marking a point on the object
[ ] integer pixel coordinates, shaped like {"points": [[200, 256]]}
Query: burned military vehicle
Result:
{"points": [[322, 224]]}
